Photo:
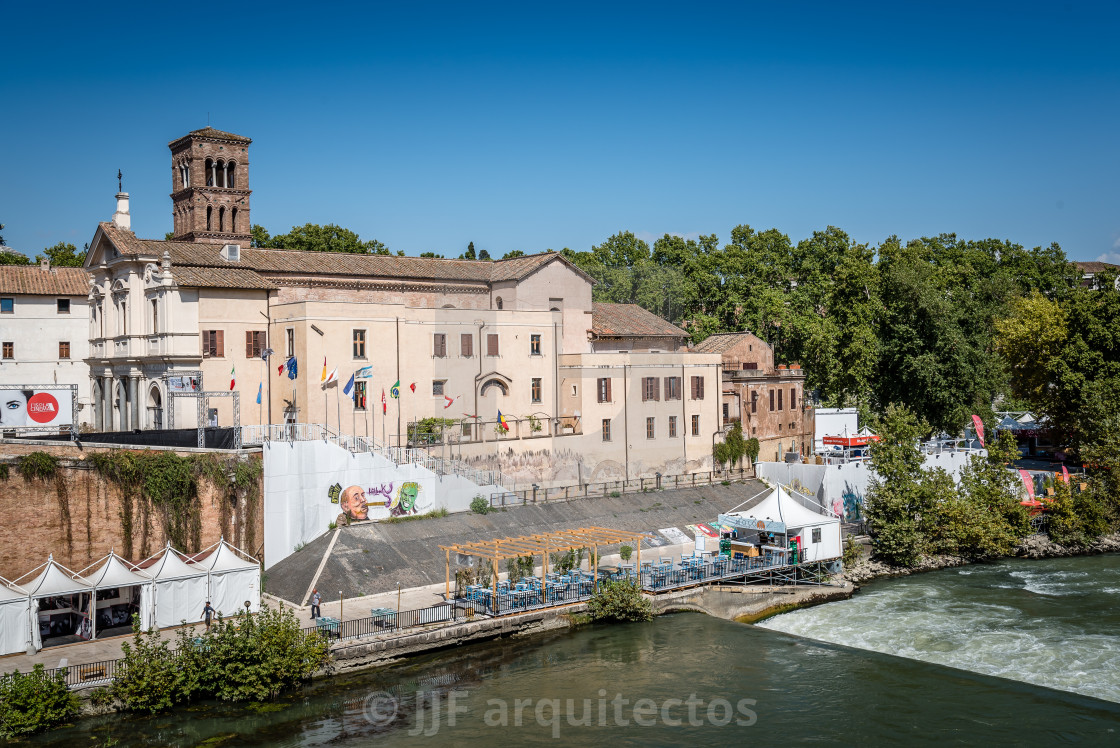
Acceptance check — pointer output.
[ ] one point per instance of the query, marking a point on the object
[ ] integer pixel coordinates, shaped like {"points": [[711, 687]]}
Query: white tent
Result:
{"points": [[179, 590], [113, 572], [15, 618], [819, 532], [51, 580], [235, 578]]}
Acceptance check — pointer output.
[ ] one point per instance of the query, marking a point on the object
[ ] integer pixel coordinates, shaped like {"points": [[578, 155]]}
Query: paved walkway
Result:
{"points": [[350, 609]]}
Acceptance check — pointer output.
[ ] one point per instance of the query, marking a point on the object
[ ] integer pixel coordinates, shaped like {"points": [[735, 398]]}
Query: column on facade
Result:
{"points": [[107, 403], [95, 398], [134, 402]]}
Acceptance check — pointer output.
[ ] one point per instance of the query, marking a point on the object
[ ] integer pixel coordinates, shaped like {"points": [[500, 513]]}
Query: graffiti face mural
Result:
{"points": [[405, 501], [353, 503]]}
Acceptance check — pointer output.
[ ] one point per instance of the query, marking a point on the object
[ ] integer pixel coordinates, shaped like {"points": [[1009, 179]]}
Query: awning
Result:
{"points": [[750, 523]]}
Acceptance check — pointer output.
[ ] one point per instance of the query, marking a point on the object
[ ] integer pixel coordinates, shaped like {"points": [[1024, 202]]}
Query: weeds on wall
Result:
{"points": [[43, 466]]}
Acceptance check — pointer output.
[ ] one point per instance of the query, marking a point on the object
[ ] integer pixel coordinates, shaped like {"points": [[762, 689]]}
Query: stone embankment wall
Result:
{"points": [[79, 516]]}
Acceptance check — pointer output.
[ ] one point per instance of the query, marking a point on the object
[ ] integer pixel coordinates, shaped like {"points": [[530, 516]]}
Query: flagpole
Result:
{"points": [[337, 408]]}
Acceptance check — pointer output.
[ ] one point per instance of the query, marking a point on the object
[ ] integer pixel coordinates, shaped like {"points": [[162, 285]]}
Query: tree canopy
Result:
{"points": [[311, 237]]}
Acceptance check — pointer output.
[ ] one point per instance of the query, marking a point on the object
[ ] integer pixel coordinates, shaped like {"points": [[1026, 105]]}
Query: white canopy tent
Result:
{"points": [[53, 580], [114, 573], [179, 590], [15, 618], [801, 522], [235, 578]]}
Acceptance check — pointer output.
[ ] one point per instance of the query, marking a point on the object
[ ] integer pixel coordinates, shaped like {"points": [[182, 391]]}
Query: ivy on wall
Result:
{"points": [[44, 467]]}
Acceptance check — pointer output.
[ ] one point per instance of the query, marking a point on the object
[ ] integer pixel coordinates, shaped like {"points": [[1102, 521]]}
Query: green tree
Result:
{"points": [[469, 254], [512, 254], [895, 502], [736, 445], [11, 257], [484, 255], [259, 236], [620, 601], [312, 237], [64, 255], [431, 255], [32, 702]]}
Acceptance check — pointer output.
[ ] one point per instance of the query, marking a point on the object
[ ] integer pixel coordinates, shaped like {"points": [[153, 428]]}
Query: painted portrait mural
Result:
{"points": [[355, 501]]}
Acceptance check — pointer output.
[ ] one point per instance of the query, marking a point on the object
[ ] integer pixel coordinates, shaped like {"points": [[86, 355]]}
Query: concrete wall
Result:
{"points": [[78, 517], [834, 422]]}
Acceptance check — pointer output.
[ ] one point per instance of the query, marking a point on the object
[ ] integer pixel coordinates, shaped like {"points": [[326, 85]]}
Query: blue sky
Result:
{"points": [[534, 126]]}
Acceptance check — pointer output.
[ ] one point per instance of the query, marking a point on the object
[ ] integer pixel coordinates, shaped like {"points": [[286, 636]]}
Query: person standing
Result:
{"points": [[315, 599], [207, 614]]}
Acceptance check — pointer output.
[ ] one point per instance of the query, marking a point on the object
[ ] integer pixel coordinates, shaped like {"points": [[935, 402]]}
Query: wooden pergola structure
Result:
{"points": [[542, 544]]}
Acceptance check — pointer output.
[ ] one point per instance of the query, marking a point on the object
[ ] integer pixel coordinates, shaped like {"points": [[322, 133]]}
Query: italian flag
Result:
{"points": [[233, 377]]}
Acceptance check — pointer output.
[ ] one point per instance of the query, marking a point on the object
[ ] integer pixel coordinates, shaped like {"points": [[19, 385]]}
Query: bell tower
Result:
{"points": [[210, 187]]}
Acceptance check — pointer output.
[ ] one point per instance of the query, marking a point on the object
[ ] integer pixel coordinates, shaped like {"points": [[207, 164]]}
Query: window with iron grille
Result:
{"points": [[604, 387], [536, 389], [254, 343], [466, 345], [649, 428], [213, 344], [359, 343], [439, 345], [534, 345], [437, 386], [9, 350], [606, 429]]}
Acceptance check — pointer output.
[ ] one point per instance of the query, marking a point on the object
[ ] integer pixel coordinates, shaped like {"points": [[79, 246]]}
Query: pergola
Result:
{"points": [[541, 544]]}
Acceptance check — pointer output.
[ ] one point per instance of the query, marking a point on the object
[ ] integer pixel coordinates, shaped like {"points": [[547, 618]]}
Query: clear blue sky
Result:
{"points": [[530, 126]]}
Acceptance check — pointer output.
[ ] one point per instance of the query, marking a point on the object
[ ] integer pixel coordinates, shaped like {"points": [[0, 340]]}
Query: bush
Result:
{"points": [[33, 702], [620, 601], [625, 552], [1075, 519], [480, 505]]}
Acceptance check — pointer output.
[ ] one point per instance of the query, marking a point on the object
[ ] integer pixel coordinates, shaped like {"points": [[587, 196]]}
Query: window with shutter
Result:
{"points": [[466, 345], [492, 344], [771, 400], [221, 343], [780, 400], [792, 398], [604, 390], [439, 345]]}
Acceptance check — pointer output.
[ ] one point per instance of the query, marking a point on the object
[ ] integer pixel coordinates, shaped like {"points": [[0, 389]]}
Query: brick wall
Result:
{"points": [[78, 516]]}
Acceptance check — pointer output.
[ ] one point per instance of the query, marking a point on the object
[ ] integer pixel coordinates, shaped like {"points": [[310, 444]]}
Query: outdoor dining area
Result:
{"points": [[702, 567], [530, 591]]}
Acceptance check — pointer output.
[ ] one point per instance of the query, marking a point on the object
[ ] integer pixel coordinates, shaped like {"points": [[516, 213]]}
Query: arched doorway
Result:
{"points": [[155, 408], [492, 399]]}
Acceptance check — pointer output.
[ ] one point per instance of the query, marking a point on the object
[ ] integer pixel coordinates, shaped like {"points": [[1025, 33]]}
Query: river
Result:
{"points": [[687, 679]]}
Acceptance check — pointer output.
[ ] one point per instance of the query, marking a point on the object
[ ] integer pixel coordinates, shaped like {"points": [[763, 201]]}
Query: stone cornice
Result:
{"points": [[361, 285]]}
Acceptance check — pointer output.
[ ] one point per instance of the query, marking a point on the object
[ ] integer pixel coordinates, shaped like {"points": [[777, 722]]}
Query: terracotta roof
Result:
{"points": [[30, 279], [1096, 267], [630, 320], [210, 132], [192, 277], [721, 342]]}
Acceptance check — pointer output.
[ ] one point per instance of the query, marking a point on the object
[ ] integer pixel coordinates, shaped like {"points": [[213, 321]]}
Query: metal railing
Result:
{"points": [[85, 674], [382, 623], [616, 487], [661, 577], [530, 596]]}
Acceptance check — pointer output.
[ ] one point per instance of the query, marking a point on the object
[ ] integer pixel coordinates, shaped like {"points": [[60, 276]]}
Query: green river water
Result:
{"points": [[1023, 653]]}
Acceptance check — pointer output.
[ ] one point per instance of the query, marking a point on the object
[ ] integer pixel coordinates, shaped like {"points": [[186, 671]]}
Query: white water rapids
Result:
{"points": [[1052, 623]]}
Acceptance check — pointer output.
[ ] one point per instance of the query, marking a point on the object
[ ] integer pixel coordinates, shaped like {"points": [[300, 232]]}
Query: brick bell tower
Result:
{"points": [[210, 187]]}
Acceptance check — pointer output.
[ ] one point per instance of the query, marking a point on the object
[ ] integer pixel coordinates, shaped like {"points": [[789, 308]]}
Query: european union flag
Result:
{"points": [[293, 369]]}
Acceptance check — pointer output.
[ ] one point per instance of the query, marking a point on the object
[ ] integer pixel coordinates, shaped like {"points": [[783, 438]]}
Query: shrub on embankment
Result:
{"points": [[30, 702], [244, 658], [620, 601]]}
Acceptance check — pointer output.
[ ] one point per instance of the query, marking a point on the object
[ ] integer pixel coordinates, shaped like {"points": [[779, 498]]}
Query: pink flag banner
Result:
{"points": [[979, 429], [1065, 474], [1028, 482]]}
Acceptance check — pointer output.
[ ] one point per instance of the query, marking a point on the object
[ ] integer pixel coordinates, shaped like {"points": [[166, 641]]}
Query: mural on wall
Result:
{"points": [[355, 501], [352, 502], [564, 466], [404, 503], [849, 506]]}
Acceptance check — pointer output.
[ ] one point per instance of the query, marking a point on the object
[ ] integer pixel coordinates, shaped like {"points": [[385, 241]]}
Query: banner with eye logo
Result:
{"points": [[33, 406]]}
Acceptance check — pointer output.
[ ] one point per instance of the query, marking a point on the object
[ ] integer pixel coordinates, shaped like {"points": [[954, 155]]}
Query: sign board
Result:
{"points": [[35, 406], [183, 384], [752, 523]]}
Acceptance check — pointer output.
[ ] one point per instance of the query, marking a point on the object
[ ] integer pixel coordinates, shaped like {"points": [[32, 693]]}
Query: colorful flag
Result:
{"points": [[323, 379], [332, 377], [412, 386], [349, 386], [260, 389], [384, 405], [450, 401], [233, 376], [280, 369], [395, 390], [1028, 483], [366, 372], [293, 368], [1065, 474], [502, 421], [979, 429]]}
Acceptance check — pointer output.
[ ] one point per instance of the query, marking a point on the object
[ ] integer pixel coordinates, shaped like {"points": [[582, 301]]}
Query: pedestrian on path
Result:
{"points": [[208, 613], [315, 599]]}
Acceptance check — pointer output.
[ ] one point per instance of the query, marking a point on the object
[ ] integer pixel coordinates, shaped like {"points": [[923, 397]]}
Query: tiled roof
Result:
{"points": [[720, 342], [629, 320], [1096, 267], [192, 277], [210, 132], [31, 279]]}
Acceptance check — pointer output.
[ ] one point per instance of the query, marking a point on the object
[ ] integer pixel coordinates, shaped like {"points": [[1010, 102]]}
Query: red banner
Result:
{"points": [[1028, 482], [979, 429], [1065, 474]]}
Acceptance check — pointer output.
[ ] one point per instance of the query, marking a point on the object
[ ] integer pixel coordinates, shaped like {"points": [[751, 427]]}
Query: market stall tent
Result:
{"points": [[15, 618], [179, 590], [235, 578], [819, 533], [53, 581], [114, 573]]}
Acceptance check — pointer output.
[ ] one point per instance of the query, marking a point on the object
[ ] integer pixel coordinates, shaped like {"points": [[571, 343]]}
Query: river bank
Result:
{"points": [[1038, 546]]}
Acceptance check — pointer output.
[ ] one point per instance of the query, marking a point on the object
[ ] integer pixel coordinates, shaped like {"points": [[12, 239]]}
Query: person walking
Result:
{"points": [[208, 613], [315, 599]]}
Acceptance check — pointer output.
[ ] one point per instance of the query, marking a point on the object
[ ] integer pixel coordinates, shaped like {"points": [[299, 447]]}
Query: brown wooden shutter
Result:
{"points": [[656, 388], [466, 344], [248, 344], [700, 387], [491, 345], [220, 343], [608, 390]]}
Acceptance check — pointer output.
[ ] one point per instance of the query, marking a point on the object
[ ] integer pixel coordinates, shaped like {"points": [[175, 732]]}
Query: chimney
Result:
{"points": [[45, 265], [121, 218]]}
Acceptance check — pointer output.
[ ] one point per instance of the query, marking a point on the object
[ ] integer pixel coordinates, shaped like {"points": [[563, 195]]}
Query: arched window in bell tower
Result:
{"points": [[231, 172], [222, 218], [233, 221], [209, 172], [209, 212]]}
